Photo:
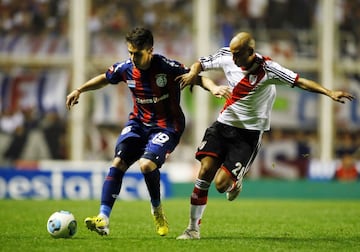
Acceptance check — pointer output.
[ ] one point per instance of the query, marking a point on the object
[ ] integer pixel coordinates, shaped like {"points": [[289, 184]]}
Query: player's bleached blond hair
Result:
{"points": [[242, 40]]}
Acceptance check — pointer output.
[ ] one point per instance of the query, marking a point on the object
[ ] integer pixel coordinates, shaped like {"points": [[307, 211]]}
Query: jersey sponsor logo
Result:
{"points": [[161, 80], [152, 100]]}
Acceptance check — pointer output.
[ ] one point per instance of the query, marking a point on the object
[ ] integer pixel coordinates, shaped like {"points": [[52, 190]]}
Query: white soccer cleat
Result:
{"points": [[189, 234], [99, 224], [235, 191]]}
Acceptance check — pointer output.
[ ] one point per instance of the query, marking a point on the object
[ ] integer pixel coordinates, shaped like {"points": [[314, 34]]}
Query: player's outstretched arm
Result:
{"points": [[217, 90], [190, 78], [92, 84], [312, 86]]}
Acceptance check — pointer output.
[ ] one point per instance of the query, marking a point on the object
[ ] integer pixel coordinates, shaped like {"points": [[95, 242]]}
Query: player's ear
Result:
{"points": [[150, 50], [251, 51]]}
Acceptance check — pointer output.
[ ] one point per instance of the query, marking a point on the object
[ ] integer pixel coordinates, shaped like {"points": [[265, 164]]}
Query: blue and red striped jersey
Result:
{"points": [[155, 93]]}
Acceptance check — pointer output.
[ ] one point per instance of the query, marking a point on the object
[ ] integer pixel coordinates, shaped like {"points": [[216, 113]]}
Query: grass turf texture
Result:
{"points": [[242, 225]]}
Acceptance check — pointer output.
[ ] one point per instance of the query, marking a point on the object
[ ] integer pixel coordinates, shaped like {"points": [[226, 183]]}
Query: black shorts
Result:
{"points": [[236, 148]]}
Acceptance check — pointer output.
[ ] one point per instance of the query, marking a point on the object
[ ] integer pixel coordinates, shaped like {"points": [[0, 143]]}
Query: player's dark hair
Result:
{"points": [[140, 38]]}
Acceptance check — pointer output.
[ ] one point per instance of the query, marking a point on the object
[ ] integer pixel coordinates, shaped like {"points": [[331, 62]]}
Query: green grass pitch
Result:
{"points": [[241, 225]]}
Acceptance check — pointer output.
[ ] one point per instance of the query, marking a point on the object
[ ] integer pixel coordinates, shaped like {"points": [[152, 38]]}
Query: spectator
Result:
{"points": [[346, 171]]}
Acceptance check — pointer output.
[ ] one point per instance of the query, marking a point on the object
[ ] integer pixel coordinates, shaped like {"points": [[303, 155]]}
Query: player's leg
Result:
{"points": [[209, 153], [152, 180], [128, 149], [241, 153], [226, 182], [110, 190], [160, 144], [199, 197]]}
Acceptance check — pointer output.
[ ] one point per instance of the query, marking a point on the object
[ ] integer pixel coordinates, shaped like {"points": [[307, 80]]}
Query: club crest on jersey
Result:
{"points": [[161, 80], [252, 79]]}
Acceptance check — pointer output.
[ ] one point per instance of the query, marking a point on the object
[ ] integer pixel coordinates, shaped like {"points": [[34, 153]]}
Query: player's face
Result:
{"points": [[243, 57], [140, 57]]}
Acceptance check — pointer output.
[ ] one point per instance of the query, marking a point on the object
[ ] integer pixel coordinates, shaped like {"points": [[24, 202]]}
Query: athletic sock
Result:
{"points": [[111, 189], [198, 203], [152, 180]]}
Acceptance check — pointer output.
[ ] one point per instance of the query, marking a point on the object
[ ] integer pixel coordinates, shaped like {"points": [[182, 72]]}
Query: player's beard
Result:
{"points": [[140, 66], [248, 65]]}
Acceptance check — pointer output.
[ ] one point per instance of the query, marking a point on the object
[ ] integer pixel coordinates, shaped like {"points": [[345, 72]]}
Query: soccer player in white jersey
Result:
{"points": [[231, 143]]}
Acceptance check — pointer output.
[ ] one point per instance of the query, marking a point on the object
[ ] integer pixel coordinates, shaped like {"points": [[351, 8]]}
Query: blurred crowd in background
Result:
{"points": [[39, 22], [33, 120]]}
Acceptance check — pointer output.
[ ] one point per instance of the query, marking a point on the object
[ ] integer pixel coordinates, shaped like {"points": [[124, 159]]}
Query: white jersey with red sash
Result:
{"points": [[253, 90]]}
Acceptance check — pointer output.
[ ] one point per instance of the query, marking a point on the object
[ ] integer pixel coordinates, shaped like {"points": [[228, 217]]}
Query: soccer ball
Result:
{"points": [[62, 224]]}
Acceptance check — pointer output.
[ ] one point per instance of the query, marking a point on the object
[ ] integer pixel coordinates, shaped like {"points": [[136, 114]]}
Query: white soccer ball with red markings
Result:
{"points": [[62, 224]]}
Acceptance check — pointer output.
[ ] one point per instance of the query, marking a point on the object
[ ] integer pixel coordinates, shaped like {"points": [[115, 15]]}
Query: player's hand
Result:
{"points": [[339, 96], [221, 92], [72, 98], [186, 80]]}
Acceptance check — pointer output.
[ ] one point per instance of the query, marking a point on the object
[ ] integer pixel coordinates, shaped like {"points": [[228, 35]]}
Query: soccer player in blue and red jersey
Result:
{"points": [[154, 127]]}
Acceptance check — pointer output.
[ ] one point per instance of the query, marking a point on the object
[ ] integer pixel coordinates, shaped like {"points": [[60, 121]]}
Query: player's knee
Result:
{"points": [[209, 167], [146, 165], [222, 185], [223, 181], [120, 164]]}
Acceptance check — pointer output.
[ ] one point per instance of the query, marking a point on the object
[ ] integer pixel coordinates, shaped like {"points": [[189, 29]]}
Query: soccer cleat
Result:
{"points": [[98, 224], [189, 234], [161, 224], [235, 191]]}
